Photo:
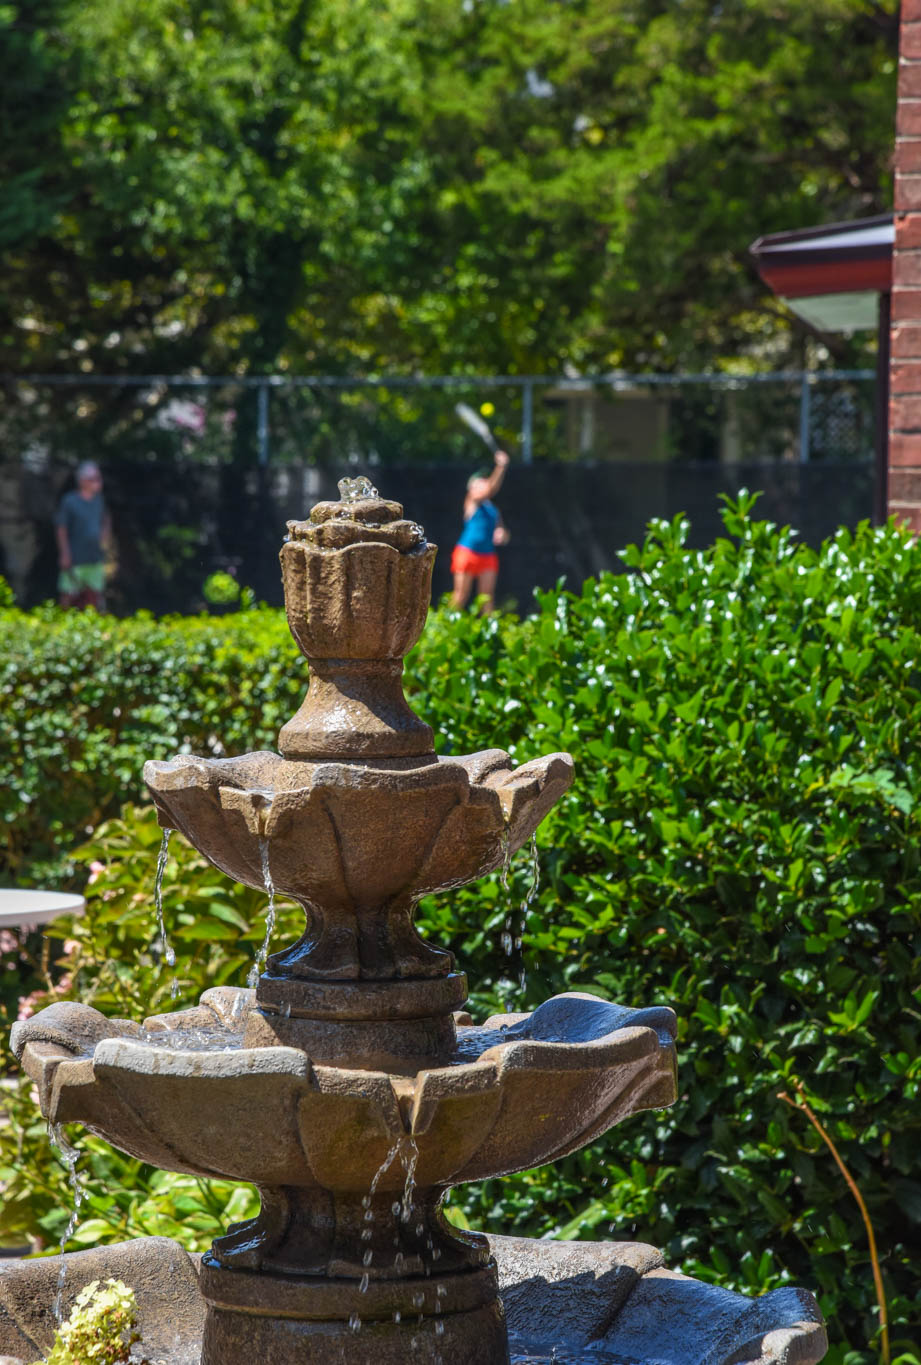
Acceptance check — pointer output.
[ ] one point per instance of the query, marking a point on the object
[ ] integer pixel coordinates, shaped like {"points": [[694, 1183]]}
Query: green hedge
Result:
{"points": [[741, 842], [86, 700]]}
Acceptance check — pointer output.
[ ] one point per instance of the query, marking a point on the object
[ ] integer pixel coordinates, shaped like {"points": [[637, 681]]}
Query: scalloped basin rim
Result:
{"points": [[197, 771], [145, 1058], [635, 1033]]}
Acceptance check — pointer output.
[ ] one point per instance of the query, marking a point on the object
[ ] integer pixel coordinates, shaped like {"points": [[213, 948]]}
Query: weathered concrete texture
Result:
{"points": [[611, 1303]]}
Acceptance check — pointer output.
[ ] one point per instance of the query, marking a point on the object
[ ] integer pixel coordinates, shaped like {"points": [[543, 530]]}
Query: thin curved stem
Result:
{"points": [[802, 1103]]}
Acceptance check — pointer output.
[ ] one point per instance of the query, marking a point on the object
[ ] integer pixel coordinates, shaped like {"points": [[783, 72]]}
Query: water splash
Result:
{"points": [[168, 953], [355, 490], [71, 1157], [255, 970]]}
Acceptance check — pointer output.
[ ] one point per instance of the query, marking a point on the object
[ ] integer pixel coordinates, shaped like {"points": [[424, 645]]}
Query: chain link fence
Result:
{"points": [[201, 474], [326, 421]]}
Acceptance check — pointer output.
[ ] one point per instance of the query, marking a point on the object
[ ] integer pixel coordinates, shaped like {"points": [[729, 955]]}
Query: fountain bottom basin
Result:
{"points": [[572, 1303]]}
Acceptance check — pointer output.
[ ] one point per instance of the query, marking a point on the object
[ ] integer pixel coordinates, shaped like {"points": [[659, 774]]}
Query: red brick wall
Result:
{"points": [[905, 367]]}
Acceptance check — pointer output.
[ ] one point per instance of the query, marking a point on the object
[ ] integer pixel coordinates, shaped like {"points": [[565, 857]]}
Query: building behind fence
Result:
{"points": [[201, 473]]}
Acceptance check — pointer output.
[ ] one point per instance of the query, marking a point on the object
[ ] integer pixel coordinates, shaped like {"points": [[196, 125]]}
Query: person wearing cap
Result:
{"points": [[474, 560], [84, 533]]}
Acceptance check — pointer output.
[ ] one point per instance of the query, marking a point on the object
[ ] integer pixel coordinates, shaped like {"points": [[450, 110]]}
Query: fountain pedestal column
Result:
{"points": [[322, 1275], [285, 1333]]}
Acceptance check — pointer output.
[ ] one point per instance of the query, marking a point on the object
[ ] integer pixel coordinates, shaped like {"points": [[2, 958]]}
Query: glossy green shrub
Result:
{"points": [[84, 700], [741, 842]]}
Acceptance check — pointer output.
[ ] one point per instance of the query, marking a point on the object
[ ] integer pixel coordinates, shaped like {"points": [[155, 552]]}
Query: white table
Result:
{"points": [[26, 910]]}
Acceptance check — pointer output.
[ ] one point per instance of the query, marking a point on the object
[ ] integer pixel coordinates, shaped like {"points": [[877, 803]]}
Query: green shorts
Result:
{"points": [[80, 577]]}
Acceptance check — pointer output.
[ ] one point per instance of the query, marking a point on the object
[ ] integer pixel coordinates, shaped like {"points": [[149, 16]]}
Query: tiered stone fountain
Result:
{"points": [[348, 1086]]}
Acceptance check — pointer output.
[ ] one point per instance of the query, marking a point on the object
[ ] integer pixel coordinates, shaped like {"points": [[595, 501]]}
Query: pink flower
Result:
{"points": [[9, 943], [96, 868], [28, 1003]]}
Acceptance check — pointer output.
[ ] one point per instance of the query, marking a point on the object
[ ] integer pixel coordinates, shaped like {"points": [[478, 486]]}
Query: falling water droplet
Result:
{"points": [[254, 972], [397, 1316], [363, 1284], [368, 1257], [355, 1322]]}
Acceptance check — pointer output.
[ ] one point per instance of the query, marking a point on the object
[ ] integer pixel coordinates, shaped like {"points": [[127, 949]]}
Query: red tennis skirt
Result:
{"points": [[468, 561]]}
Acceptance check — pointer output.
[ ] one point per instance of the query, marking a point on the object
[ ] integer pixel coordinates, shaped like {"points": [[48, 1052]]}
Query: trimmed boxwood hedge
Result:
{"points": [[741, 842]]}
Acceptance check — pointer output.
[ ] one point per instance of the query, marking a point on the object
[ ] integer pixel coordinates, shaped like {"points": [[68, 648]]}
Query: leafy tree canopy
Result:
{"points": [[247, 185]]}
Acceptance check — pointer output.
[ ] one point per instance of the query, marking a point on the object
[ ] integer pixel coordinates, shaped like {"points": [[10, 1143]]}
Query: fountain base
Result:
{"points": [[577, 1303], [296, 1320]]}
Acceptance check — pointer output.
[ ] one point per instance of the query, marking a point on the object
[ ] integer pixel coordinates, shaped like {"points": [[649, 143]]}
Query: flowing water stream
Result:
{"points": [[256, 969], [406, 1149], [71, 1156], [512, 939], [169, 955]]}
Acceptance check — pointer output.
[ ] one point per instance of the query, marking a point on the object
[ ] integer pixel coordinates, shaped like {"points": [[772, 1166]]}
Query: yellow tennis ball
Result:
{"points": [[487, 409]]}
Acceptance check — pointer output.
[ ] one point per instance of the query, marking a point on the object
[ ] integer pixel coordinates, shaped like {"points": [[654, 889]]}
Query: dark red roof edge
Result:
{"points": [[795, 272]]}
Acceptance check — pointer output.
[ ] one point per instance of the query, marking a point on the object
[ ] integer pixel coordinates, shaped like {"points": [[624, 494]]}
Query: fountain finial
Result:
{"points": [[357, 579]]}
